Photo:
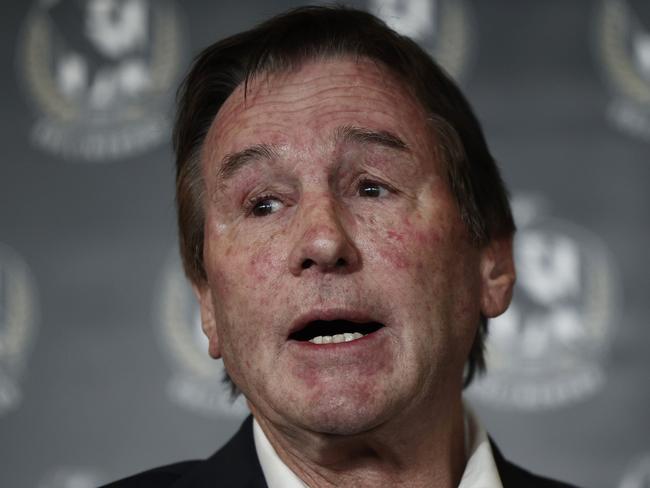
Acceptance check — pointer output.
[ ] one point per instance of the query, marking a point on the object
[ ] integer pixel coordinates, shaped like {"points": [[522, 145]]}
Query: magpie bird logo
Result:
{"points": [[18, 311], [623, 48], [548, 348], [100, 74], [442, 27], [197, 383]]}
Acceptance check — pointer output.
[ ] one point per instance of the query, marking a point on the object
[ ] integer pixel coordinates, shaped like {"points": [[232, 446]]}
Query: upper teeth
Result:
{"points": [[347, 337]]}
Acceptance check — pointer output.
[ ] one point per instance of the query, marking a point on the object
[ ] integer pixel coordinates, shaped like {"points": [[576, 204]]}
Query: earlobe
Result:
{"points": [[497, 276], [208, 322]]}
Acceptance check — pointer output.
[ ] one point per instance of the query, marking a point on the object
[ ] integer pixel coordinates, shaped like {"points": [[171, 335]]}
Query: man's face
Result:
{"points": [[327, 211]]}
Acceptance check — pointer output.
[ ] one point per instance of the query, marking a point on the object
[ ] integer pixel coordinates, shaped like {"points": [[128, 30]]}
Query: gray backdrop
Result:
{"points": [[102, 370]]}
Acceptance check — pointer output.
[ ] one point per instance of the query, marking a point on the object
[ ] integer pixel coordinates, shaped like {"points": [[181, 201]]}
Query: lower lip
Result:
{"points": [[321, 364]]}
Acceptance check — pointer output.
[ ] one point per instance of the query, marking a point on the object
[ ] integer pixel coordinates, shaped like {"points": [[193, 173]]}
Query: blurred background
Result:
{"points": [[103, 370]]}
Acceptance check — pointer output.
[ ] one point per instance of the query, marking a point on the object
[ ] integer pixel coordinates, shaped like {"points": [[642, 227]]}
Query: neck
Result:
{"points": [[422, 447]]}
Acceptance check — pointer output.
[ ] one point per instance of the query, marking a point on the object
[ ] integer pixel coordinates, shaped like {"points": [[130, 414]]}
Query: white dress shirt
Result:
{"points": [[480, 469]]}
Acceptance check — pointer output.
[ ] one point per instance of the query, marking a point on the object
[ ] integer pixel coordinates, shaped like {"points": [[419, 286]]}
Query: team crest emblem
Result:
{"points": [[442, 27], [547, 349], [623, 47], [17, 324], [197, 383], [100, 74]]}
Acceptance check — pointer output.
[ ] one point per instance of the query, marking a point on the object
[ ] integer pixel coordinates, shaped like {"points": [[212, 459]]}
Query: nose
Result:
{"points": [[322, 243]]}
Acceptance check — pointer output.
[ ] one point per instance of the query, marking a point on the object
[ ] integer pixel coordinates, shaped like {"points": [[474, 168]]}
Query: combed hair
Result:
{"points": [[286, 42]]}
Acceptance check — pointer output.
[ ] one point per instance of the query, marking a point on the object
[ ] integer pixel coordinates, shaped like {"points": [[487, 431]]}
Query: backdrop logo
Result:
{"points": [[637, 475], [100, 73], [17, 324], [547, 350], [73, 477], [197, 380], [442, 27], [623, 46]]}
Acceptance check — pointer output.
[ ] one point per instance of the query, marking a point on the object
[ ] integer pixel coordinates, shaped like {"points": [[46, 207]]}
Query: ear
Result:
{"points": [[497, 276], [208, 322]]}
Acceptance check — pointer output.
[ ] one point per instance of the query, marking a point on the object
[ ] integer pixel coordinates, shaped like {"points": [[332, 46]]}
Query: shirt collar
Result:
{"points": [[276, 473], [480, 469]]}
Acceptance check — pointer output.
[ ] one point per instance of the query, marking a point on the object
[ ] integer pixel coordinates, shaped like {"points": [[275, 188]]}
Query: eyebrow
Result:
{"points": [[362, 135], [233, 162]]}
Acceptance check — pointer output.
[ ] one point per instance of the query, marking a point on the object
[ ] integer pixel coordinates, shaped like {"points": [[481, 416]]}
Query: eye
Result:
{"points": [[263, 206], [370, 189]]}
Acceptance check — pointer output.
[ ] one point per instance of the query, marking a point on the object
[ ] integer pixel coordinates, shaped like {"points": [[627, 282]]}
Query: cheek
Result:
{"points": [[248, 269], [437, 259], [264, 258], [224, 263], [407, 247], [392, 249], [258, 265]]}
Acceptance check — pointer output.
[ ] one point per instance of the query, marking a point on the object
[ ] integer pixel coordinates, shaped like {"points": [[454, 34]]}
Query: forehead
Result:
{"points": [[304, 107]]}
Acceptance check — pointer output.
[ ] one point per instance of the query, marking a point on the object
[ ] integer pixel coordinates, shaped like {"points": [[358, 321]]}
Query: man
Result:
{"points": [[348, 235]]}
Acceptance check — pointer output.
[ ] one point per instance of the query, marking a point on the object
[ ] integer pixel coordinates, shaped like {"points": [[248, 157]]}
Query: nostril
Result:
{"points": [[341, 263], [307, 263]]}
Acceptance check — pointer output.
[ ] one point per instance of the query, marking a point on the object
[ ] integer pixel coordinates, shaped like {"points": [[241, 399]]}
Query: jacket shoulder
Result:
{"points": [[512, 476], [234, 465], [160, 477]]}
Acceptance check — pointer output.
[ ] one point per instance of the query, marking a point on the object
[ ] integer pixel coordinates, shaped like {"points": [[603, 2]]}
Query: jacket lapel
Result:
{"points": [[234, 465]]}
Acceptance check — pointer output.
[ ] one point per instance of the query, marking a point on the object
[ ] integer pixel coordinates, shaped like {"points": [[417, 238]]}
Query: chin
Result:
{"points": [[341, 422], [338, 413]]}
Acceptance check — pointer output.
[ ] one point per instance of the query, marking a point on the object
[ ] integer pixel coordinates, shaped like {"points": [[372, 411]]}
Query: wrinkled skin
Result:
{"points": [[335, 225]]}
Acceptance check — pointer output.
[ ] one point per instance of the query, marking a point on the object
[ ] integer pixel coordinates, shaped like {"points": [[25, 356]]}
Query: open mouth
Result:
{"points": [[334, 331]]}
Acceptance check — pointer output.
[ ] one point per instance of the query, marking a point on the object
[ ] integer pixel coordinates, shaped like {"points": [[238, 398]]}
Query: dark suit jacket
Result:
{"points": [[236, 465]]}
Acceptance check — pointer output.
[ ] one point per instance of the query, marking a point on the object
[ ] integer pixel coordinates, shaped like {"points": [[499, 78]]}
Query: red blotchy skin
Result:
{"points": [[398, 253], [395, 235]]}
